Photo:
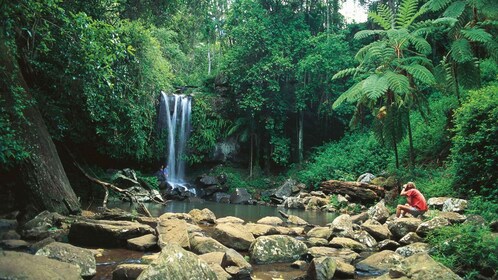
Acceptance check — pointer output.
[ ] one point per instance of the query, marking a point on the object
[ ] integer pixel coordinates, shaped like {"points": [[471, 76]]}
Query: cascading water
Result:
{"points": [[176, 110]]}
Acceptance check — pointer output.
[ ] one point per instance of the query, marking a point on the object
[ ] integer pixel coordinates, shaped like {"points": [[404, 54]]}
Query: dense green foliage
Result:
{"points": [[475, 144], [345, 160], [466, 249]]}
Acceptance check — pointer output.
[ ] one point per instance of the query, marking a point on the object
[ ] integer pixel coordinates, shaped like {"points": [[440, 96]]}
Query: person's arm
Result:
{"points": [[403, 192]]}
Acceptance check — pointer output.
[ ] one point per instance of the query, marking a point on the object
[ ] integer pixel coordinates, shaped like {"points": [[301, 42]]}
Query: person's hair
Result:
{"points": [[409, 186]]}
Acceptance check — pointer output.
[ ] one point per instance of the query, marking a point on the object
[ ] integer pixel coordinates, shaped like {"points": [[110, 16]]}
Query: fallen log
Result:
{"points": [[356, 190]]}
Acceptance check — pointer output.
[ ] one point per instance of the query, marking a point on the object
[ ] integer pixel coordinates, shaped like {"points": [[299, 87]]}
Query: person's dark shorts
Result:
{"points": [[415, 211]]}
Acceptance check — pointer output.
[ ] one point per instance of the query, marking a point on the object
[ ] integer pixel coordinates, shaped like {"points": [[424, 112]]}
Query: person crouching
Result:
{"points": [[416, 201]]}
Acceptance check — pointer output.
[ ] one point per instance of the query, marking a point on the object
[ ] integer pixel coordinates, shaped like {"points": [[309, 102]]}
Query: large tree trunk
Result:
{"points": [[46, 186], [358, 191]]}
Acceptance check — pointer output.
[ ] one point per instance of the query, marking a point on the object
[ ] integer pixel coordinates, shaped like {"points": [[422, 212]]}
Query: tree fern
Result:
{"points": [[420, 44], [375, 86], [455, 10], [421, 74], [476, 35], [351, 95], [367, 33], [461, 51], [437, 5], [345, 72], [398, 83], [383, 17], [406, 13]]}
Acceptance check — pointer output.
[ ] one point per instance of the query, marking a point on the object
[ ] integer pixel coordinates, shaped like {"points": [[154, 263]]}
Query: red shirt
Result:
{"points": [[416, 199]]}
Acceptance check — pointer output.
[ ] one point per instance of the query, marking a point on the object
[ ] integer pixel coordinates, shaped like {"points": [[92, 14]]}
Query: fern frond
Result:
{"points": [[367, 33], [461, 51], [476, 35], [455, 10], [469, 74], [398, 83], [345, 72], [383, 17], [406, 13], [374, 86], [351, 95], [445, 21], [420, 73], [420, 44], [360, 55], [437, 5], [492, 49]]}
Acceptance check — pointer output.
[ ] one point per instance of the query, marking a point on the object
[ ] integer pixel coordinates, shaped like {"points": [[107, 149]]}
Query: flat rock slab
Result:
{"points": [[15, 265], [143, 243], [68, 253], [128, 271], [233, 236], [276, 248], [173, 231], [14, 244], [106, 234], [379, 263]]}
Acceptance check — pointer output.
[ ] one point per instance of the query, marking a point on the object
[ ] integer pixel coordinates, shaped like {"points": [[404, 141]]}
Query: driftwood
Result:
{"points": [[108, 186], [356, 190]]}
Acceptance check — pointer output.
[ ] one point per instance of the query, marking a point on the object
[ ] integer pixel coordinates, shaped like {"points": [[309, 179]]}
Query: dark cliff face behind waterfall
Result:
{"points": [[174, 114]]}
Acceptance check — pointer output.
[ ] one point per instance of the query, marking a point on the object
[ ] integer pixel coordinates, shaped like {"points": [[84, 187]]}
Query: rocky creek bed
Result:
{"points": [[115, 244]]}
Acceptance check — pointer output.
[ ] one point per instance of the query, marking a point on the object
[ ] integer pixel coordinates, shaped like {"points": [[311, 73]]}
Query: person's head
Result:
{"points": [[409, 186]]}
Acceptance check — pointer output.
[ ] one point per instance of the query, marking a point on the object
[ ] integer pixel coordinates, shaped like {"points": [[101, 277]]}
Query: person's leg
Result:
{"points": [[401, 209]]}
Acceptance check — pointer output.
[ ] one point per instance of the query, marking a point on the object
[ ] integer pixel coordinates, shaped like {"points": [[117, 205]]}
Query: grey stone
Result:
{"points": [[68, 253], [276, 248]]}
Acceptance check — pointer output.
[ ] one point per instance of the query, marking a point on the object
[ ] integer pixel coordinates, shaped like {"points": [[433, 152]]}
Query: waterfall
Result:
{"points": [[176, 110]]}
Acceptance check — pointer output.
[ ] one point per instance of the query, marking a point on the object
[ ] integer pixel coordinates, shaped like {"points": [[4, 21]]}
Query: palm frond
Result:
{"points": [[476, 35], [345, 72], [461, 51], [420, 73], [397, 83], [455, 10]]}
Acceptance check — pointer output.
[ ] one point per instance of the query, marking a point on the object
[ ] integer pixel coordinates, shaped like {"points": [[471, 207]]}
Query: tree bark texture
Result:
{"points": [[46, 186], [356, 190]]}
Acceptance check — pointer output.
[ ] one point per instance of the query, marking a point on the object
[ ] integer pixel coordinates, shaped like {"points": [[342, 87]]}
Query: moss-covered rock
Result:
{"points": [[276, 248]]}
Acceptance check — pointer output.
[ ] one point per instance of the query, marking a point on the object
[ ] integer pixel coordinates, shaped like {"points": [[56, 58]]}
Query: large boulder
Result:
{"points": [[178, 263], [274, 221], [345, 255], [173, 231], [202, 216], [379, 263], [343, 242], [343, 226], [365, 178], [143, 243], [261, 229], [322, 268], [420, 266], [67, 253], [411, 249], [15, 265], [293, 202], [437, 222], [202, 245], [102, 233], [14, 244], [320, 232], [437, 202], [365, 238], [452, 217], [377, 230], [230, 219], [411, 238], [378, 212], [128, 271], [233, 236], [38, 227], [235, 264], [401, 227], [240, 196], [316, 203], [455, 205], [276, 248], [284, 191]]}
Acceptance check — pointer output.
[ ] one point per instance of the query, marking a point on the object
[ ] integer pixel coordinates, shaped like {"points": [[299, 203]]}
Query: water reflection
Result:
{"points": [[249, 213]]}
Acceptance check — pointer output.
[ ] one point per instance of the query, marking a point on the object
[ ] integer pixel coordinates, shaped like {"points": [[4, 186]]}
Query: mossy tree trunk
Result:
{"points": [[45, 184]]}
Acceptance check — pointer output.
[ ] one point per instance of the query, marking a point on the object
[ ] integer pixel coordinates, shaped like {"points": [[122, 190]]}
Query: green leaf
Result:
{"points": [[351, 95], [477, 35], [407, 13], [420, 73], [455, 9], [382, 17], [344, 73], [374, 86], [437, 5], [421, 45], [461, 51], [367, 33], [398, 83]]}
